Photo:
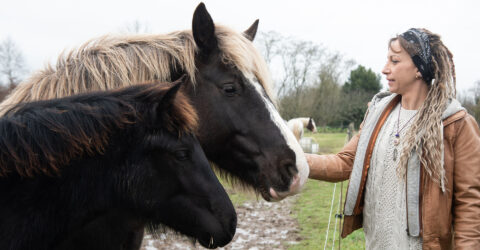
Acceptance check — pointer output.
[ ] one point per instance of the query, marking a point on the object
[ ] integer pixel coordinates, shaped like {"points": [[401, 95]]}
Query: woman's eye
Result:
{"points": [[181, 155], [229, 89], [394, 61]]}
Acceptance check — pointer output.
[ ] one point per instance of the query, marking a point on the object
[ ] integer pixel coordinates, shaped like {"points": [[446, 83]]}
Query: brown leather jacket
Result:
{"points": [[448, 220]]}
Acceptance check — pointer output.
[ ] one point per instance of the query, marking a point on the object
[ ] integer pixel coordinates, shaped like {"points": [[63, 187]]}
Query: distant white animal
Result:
{"points": [[298, 124]]}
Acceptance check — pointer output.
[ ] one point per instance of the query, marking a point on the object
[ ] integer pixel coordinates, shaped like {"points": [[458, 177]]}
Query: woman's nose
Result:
{"points": [[385, 69]]}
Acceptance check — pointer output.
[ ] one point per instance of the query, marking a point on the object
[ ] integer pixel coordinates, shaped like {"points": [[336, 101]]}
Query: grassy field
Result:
{"points": [[312, 208], [312, 213]]}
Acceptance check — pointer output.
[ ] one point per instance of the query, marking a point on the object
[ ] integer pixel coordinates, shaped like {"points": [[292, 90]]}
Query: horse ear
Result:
{"points": [[169, 96], [203, 30], [251, 31]]}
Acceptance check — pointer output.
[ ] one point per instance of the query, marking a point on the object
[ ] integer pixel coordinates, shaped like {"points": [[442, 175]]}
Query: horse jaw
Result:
{"points": [[301, 161]]}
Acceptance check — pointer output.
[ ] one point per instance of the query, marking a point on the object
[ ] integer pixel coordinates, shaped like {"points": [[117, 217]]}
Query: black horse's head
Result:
{"points": [[240, 129], [194, 202], [176, 184]]}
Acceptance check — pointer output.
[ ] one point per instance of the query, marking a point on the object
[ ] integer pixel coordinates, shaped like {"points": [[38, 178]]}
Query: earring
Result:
{"points": [[417, 77]]}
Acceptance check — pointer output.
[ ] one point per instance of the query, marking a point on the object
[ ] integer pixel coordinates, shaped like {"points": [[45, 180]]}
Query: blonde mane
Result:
{"points": [[112, 61]]}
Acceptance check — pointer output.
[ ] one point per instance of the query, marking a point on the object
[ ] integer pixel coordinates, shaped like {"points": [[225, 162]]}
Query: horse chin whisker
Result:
{"points": [[193, 241], [234, 181], [157, 230], [236, 184]]}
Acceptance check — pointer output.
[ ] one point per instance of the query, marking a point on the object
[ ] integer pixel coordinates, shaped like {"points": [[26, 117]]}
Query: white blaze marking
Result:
{"points": [[301, 161]]}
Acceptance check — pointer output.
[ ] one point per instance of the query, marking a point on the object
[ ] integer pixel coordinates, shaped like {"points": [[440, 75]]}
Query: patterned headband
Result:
{"points": [[423, 60]]}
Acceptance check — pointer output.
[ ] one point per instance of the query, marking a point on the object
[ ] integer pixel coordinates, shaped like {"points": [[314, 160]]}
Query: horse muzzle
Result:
{"points": [[295, 188]]}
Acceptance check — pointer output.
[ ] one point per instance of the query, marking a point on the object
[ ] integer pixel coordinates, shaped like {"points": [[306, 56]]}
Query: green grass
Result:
{"points": [[328, 143], [312, 208], [312, 211]]}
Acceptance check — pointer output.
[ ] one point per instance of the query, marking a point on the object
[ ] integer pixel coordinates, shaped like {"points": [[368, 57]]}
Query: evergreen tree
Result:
{"points": [[357, 92], [362, 79]]}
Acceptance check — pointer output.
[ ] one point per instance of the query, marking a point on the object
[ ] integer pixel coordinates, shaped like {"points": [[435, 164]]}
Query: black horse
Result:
{"points": [[86, 171]]}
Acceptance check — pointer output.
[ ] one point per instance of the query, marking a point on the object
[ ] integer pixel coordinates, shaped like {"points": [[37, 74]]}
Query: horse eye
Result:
{"points": [[181, 155], [229, 89]]}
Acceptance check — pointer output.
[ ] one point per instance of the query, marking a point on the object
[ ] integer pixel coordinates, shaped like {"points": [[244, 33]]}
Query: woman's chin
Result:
{"points": [[392, 89]]}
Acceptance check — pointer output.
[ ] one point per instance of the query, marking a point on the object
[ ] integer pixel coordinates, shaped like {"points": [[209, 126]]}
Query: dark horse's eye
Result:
{"points": [[229, 89], [181, 155]]}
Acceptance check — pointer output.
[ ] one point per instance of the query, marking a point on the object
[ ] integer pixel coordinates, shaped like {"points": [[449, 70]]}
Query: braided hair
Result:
{"points": [[425, 136]]}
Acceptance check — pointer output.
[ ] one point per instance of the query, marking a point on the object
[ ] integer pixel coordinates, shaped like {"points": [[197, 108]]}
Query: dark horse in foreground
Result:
{"points": [[86, 171]]}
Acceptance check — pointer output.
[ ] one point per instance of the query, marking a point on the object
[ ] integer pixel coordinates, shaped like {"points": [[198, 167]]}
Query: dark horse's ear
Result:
{"points": [[169, 96], [251, 31], [203, 30]]}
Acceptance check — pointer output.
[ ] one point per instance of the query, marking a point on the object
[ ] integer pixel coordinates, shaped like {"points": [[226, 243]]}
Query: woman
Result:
{"points": [[414, 168]]}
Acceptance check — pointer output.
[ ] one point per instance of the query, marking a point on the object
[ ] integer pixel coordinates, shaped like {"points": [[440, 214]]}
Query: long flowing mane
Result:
{"points": [[40, 137], [111, 62]]}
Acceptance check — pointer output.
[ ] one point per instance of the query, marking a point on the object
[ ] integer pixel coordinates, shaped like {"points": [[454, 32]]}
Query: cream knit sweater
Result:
{"points": [[384, 213]]}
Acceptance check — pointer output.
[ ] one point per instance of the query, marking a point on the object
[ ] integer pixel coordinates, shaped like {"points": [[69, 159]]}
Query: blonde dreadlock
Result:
{"points": [[425, 136]]}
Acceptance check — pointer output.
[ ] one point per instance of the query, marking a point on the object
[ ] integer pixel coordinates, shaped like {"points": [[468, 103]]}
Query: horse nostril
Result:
{"points": [[291, 168], [287, 170]]}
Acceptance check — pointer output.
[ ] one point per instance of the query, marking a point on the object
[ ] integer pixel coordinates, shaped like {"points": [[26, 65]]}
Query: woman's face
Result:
{"points": [[400, 70]]}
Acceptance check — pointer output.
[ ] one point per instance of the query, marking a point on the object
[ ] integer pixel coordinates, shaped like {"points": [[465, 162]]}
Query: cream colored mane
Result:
{"points": [[304, 120], [111, 62]]}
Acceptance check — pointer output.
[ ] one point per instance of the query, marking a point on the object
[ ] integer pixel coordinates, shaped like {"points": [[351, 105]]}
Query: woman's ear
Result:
{"points": [[418, 75]]}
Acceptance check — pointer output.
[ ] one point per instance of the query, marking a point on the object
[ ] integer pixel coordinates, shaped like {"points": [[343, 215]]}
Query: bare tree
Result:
{"points": [[307, 77], [475, 90], [135, 27], [301, 60], [12, 63], [326, 97], [269, 43], [471, 100], [294, 62]]}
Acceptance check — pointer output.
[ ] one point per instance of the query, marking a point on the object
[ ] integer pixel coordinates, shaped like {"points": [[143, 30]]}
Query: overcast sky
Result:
{"points": [[358, 29]]}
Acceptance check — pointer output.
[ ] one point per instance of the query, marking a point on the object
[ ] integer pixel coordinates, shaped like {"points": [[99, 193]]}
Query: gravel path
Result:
{"points": [[261, 225]]}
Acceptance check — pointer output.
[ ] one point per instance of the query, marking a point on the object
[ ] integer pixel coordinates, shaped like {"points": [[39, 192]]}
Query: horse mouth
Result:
{"points": [[210, 242], [271, 194]]}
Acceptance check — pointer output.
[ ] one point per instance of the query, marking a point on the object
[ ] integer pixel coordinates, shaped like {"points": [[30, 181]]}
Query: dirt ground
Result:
{"points": [[261, 225]]}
